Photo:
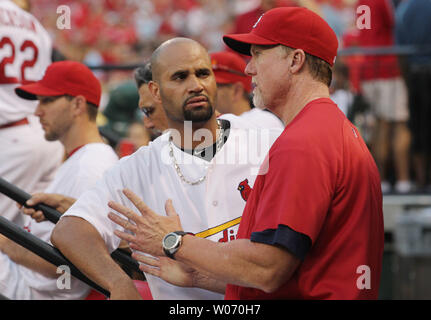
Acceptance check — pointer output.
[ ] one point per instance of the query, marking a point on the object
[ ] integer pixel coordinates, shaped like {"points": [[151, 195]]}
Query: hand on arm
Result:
{"points": [[177, 273], [72, 236]]}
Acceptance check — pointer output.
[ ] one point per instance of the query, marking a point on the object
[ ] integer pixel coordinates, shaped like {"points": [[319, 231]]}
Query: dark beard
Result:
{"points": [[201, 114], [51, 136]]}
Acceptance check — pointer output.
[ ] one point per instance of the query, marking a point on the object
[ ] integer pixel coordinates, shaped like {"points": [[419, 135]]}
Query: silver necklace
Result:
{"points": [[177, 167]]}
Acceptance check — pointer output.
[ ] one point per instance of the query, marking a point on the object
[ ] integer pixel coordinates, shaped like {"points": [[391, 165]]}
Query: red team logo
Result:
{"points": [[245, 189], [228, 235]]}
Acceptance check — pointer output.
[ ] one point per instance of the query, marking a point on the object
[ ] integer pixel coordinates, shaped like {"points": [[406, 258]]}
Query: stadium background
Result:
{"points": [[114, 36]]}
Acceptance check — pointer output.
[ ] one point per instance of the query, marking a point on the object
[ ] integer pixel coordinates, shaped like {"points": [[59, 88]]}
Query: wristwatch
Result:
{"points": [[171, 243]]}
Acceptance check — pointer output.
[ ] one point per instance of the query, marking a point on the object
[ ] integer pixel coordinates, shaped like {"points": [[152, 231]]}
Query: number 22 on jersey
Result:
{"points": [[11, 69]]}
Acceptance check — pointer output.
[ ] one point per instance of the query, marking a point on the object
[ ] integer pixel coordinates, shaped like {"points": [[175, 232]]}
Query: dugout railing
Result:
{"points": [[45, 250]]}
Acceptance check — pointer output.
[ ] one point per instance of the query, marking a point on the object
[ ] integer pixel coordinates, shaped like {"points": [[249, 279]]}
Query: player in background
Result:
{"points": [[203, 173], [154, 115], [386, 92], [27, 160], [233, 85], [154, 120], [69, 96], [234, 91]]}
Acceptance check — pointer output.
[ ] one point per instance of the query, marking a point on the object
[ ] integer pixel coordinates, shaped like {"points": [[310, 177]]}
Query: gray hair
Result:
{"points": [[143, 75]]}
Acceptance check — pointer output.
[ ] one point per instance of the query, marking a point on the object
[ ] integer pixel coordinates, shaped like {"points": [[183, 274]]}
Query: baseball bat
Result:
{"points": [[53, 215], [44, 250]]}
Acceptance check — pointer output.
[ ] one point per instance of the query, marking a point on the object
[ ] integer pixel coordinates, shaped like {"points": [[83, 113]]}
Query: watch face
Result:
{"points": [[170, 241]]}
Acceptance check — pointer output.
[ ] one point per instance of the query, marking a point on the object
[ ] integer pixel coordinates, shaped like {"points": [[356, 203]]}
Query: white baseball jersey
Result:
{"points": [[77, 174], [25, 53], [26, 159], [260, 118], [211, 209]]}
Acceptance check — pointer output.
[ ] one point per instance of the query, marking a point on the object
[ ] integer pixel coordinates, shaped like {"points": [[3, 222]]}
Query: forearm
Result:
{"points": [[203, 281], [239, 262], [28, 259], [72, 237]]}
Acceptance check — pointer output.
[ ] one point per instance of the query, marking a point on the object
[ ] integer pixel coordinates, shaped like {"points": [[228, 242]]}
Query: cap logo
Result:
{"points": [[257, 22]]}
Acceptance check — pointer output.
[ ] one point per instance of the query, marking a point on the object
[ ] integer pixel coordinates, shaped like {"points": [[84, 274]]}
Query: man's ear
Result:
{"points": [[155, 91], [79, 105], [298, 60]]}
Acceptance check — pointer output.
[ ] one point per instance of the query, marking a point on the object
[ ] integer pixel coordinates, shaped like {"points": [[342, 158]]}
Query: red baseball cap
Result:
{"points": [[61, 78], [229, 67], [293, 27]]}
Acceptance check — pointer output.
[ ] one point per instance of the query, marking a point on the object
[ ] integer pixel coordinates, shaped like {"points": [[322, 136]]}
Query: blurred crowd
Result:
{"points": [[127, 31], [385, 96]]}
